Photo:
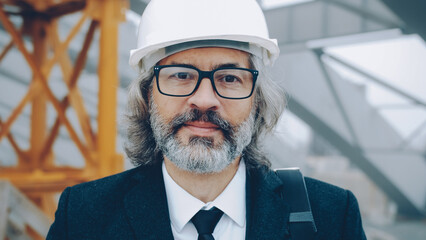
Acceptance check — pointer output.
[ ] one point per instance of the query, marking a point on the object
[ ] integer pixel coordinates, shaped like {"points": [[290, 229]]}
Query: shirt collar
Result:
{"points": [[183, 206]]}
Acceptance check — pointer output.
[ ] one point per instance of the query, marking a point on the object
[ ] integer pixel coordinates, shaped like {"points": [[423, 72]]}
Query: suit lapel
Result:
{"points": [[267, 214], [146, 205]]}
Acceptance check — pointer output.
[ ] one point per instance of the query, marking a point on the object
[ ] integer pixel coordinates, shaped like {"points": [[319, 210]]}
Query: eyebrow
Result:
{"points": [[222, 65], [226, 65]]}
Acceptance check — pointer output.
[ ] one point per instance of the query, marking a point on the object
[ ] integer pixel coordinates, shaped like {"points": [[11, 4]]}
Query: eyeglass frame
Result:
{"points": [[204, 74]]}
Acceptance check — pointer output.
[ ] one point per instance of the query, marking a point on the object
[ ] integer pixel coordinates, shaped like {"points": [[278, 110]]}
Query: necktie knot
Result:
{"points": [[205, 221]]}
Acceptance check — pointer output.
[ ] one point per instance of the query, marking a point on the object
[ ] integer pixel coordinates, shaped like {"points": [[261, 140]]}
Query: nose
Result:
{"points": [[205, 98]]}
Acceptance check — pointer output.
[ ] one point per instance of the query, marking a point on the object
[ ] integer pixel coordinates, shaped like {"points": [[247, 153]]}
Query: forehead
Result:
{"points": [[208, 58]]}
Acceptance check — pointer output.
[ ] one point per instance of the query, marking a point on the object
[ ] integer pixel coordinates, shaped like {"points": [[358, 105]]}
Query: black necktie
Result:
{"points": [[205, 221]]}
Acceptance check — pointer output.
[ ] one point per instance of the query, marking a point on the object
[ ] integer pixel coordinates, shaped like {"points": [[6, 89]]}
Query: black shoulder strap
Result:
{"points": [[301, 220]]}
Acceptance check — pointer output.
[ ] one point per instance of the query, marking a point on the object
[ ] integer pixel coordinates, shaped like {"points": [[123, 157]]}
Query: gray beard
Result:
{"points": [[201, 154]]}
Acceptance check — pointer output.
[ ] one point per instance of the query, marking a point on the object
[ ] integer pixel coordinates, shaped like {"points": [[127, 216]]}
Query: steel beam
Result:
{"points": [[327, 19], [412, 13], [377, 80], [36, 173], [400, 174], [108, 84], [355, 155], [337, 98]]}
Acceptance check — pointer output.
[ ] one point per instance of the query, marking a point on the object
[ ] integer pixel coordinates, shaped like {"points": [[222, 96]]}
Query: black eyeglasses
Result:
{"points": [[184, 80]]}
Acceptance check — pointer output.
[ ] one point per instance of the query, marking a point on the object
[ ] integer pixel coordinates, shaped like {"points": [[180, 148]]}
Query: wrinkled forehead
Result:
{"points": [[151, 60]]}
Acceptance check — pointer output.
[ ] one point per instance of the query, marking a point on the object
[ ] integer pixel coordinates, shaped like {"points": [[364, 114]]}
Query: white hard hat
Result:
{"points": [[236, 24]]}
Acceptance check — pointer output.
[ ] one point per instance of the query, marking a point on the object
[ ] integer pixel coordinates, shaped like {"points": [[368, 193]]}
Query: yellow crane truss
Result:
{"points": [[36, 173]]}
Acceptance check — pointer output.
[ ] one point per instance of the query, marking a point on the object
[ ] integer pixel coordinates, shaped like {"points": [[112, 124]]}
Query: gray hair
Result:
{"points": [[141, 147]]}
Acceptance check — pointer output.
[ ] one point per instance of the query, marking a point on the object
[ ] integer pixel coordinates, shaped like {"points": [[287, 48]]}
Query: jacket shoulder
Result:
{"points": [[325, 193], [335, 210], [101, 194], [96, 208], [109, 183]]}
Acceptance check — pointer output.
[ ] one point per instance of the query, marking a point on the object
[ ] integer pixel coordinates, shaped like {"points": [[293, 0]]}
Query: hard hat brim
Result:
{"points": [[270, 47]]}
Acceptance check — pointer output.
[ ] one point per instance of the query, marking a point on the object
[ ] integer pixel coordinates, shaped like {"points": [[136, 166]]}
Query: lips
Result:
{"points": [[202, 124], [201, 128]]}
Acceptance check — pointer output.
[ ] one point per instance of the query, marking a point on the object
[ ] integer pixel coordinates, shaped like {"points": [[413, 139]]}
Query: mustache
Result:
{"points": [[197, 115]]}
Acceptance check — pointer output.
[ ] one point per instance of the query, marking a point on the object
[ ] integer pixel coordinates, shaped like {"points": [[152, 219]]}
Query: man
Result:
{"points": [[196, 113]]}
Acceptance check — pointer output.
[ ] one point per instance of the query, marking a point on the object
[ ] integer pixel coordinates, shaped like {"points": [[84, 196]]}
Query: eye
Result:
{"points": [[230, 79], [182, 76]]}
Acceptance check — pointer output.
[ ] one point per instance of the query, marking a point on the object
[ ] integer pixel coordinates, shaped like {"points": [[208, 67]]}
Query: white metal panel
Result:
{"points": [[373, 143]]}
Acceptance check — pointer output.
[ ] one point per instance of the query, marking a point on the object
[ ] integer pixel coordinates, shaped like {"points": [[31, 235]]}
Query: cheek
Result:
{"points": [[167, 107], [237, 112]]}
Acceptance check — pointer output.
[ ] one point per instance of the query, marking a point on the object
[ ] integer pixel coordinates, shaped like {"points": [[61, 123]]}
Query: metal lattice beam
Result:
{"points": [[36, 172]]}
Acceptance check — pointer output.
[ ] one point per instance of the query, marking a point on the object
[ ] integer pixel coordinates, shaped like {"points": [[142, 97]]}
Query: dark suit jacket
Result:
{"points": [[133, 205]]}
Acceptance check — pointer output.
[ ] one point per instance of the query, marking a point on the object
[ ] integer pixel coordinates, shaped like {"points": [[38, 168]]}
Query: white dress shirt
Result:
{"points": [[232, 201]]}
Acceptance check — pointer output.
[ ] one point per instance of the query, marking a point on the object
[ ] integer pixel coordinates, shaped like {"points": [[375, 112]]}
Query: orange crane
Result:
{"points": [[36, 173]]}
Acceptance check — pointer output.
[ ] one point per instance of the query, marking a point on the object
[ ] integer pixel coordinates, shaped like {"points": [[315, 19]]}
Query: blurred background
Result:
{"points": [[354, 72]]}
